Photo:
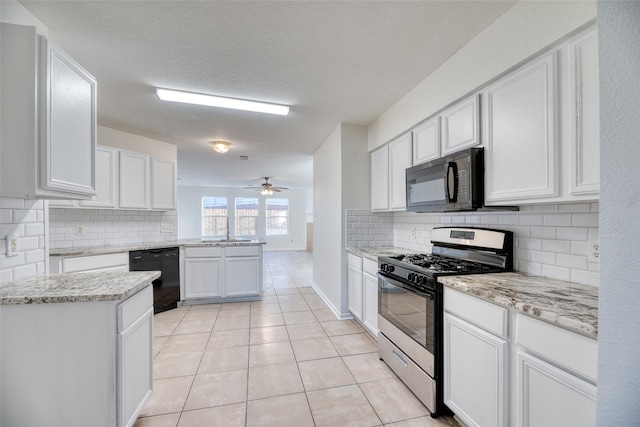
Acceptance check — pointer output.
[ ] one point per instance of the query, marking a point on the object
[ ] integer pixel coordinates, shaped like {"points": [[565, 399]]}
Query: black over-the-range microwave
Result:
{"points": [[451, 183]]}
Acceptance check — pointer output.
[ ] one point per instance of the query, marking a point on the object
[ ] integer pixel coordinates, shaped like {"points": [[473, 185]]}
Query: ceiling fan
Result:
{"points": [[267, 189]]}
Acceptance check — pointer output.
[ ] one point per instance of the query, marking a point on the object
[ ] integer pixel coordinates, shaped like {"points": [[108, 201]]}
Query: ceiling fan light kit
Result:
{"points": [[267, 189], [221, 146], [222, 102]]}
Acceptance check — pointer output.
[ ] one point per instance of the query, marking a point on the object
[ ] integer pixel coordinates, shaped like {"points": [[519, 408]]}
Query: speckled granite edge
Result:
{"points": [[103, 250], [76, 287], [569, 305], [374, 252]]}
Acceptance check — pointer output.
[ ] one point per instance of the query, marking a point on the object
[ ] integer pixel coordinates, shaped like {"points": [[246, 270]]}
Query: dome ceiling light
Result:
{"points": [[221, 146]]}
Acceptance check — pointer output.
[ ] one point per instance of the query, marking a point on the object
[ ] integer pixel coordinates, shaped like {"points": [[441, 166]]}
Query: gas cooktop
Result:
{"points": [[441, 264]]}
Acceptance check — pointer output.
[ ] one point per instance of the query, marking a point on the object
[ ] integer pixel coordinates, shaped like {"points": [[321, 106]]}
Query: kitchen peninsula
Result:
{"points": [[77, 347]]}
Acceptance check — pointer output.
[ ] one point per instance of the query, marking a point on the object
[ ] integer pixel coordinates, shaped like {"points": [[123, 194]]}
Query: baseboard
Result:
{"points": [[339, 315]]}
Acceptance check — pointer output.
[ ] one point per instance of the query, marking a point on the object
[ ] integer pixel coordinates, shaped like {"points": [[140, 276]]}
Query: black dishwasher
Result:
{"points": [[166, 288]]}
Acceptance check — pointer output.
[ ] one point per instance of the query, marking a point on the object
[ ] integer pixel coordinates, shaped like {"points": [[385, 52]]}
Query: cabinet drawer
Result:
{"points": [[573, 351], [242, 251], [370, 266], [134, 307], [481, 313], [203, 252], [95, 262], [354, 261]]}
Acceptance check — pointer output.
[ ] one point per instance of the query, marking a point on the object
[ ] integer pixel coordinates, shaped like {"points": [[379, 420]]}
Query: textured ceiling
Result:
{"points": [[333, 62]]}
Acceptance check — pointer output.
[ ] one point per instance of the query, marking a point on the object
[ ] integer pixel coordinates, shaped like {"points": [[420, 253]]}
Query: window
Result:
{"points": [[214, 217], [246, 216], [277, 217]]}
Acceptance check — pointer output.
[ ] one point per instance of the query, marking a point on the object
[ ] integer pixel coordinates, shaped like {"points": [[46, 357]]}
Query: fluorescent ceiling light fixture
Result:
{"points": [[221, 146], [218, 101]]}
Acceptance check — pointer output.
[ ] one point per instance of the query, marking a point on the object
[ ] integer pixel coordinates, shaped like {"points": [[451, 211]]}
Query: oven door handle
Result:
{"points": [[426, 294]]}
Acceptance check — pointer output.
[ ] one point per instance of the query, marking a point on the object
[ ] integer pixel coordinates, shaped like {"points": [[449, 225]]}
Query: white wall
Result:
{"points": [[190, 214], [140, 144], [618, 313], [526, 28], [341, 176]]}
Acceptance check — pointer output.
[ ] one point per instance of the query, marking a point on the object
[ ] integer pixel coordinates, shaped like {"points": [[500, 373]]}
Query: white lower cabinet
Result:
{"points": [[135, 355], [213, 273], [503, 368], [370, 303], [242, 275], [354, 285], [476, 360], [77, 363], [475, 368], [550, 396], [362, 291]]}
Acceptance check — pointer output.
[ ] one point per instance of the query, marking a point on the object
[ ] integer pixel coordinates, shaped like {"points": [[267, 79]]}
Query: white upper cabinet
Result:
{"points": [[106, 179], [48, 119], [134, 180], [461, 125], [399, 160], [520, 134], [380, 179], [585, 116], [388, 165], [426, 141], [163, 184]]}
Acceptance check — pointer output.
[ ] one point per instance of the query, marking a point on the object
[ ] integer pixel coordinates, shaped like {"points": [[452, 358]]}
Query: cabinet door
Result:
{"points": [[380, 179], [460, 125], [426, 141], [163, 184], [475, 373], [520, 140], [242, 276], [399, 160], [549, 396], [106, 167], [135, 368], [370, 306], [585, 120], [67, 123], [203, 277], [354, 289], [134, 180]]}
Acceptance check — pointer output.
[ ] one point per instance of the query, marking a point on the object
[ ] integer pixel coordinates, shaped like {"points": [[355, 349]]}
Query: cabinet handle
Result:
{"points": [[397, 356]]}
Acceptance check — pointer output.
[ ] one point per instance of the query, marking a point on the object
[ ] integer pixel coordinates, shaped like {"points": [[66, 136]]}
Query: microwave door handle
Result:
{"points": [[451, 182]]}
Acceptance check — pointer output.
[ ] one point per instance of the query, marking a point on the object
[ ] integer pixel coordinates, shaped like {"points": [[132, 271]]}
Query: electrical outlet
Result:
{"points": [[413, 233], [165, 228], [593, 250], [12, 244], [79, 230]]}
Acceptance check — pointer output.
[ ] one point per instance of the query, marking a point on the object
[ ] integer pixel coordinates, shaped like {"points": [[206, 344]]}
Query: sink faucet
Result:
{"points": [[228, 236]]}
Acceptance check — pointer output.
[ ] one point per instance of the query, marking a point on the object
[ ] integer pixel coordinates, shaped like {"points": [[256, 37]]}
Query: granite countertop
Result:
{"points": [[112, 249], [76, 287], [569, 305], [374, 252]]}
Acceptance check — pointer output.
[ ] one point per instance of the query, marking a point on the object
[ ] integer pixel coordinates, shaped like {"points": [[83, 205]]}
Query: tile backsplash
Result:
{"points": [[365, 229], [550, 240], [109, 227], [25, 219]]}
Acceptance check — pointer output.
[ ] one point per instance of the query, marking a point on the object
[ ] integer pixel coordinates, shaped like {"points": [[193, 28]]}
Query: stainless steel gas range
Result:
{"points": [[410, 303]]}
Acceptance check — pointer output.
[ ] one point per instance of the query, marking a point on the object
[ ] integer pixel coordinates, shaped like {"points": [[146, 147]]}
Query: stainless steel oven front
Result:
{"points": [[407, 339]]}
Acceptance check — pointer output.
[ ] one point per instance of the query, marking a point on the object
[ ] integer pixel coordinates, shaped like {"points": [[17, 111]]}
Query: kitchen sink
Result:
{"points": [[214, 241]]}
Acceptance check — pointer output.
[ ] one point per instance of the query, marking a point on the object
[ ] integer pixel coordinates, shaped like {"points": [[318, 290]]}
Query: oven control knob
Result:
{"points": [[383, 267], [418, 280], [410, 277], [390, 268]]}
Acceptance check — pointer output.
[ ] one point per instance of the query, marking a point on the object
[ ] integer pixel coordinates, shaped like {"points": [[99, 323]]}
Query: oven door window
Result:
{"points": [[411, 312]]}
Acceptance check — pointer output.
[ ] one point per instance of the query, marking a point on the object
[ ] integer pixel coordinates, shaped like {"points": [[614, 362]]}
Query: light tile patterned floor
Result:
{"points": [[283, 361]]}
